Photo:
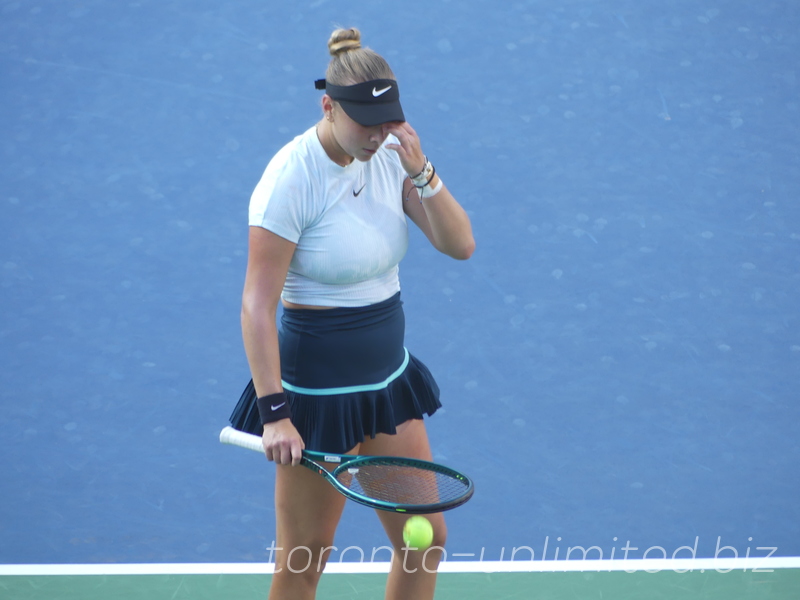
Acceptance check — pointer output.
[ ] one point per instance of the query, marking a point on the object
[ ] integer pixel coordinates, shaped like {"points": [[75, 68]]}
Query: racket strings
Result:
{"points": [[402, 484]]}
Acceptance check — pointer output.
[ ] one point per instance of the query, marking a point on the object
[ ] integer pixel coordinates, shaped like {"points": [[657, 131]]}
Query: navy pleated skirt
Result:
{"points": [[347, 375]]}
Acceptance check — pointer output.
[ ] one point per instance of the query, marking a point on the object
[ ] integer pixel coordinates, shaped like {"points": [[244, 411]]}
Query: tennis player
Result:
{"points": [[328, 228]]}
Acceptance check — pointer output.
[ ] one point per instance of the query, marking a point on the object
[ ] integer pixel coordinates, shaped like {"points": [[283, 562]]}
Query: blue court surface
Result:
{"points": [[619, 361]]}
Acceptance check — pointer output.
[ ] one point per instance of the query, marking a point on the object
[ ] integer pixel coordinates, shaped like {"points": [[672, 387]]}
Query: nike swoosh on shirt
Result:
{"points": [[376, 92], [356, 193]]}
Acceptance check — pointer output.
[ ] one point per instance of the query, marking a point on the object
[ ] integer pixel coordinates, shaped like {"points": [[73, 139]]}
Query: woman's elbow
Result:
{"points": [[464, 251], [246, 313], [253, 305]]}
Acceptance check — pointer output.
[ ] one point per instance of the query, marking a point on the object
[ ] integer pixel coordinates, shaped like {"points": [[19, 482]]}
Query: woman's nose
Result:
{"points": [[376, 134]]}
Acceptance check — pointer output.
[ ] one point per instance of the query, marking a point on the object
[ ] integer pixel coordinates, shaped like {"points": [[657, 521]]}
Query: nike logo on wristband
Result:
{"points": [[274, 408], [356, 193], [376, 92]]}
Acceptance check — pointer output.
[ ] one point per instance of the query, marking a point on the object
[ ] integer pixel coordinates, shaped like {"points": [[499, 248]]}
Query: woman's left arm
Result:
{"points": [[440, 217]]}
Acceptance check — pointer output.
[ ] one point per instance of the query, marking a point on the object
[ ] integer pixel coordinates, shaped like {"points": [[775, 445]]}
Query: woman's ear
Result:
{"points": [[327, 107]]}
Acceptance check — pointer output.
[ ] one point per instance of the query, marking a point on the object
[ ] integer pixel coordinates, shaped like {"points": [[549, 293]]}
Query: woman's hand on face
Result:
{"points": [[409, 149], [282, 443]]}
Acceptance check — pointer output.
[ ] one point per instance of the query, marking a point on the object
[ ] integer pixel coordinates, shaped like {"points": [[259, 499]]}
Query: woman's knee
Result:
{"points": [[304, 562], [439, 533]]}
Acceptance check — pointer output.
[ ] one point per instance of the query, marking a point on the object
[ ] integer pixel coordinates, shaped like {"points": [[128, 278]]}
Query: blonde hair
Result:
{"points": [[350, 63]]}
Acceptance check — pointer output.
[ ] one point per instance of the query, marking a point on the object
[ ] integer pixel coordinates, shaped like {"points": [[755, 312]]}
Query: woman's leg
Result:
{"points": [[308, 510], [413, 573]]}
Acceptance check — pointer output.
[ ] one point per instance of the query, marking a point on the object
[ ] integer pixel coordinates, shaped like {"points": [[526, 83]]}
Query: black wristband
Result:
{"points": [[273, 408]]}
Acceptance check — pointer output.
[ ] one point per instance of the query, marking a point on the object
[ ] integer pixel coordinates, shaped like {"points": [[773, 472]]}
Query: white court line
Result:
{"points": [[757, 565]]}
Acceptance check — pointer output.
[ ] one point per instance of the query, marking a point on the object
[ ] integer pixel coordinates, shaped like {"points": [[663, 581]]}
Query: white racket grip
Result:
{"points": [[234, 437]]}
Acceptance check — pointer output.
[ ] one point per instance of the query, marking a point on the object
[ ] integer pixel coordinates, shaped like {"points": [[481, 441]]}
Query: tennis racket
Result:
{"points": [[392, 483]]}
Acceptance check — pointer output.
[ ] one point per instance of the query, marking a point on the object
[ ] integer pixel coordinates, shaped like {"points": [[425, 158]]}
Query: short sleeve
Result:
{"points": [[281, 200]]}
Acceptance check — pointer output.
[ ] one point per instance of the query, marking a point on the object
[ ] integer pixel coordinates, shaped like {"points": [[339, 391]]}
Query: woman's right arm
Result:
{"points": [[268, 261]]}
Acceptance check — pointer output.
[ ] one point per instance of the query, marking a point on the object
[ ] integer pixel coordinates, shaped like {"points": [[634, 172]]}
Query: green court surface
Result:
{"points": [[781, 584]]}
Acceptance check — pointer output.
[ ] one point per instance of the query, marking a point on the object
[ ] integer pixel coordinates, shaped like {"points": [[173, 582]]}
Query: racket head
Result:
{"points": [[405, 485], [390, 483]]}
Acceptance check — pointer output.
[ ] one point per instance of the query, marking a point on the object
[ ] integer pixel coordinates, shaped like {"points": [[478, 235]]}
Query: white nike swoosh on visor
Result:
{"points": [[376, 92]]}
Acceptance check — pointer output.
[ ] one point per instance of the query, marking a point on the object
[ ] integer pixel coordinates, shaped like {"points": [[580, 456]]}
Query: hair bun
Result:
{"points": [[344, 40]]}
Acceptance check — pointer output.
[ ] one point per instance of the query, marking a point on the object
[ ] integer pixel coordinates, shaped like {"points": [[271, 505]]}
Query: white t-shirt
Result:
{"points": [[348, 222]]}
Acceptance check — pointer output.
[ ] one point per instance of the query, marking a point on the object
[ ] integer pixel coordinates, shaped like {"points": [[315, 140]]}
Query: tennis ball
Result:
{"points": [[418, 533]]}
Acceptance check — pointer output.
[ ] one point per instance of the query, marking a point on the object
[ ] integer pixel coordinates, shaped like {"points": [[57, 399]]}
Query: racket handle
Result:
{"points": [[232, 436]]}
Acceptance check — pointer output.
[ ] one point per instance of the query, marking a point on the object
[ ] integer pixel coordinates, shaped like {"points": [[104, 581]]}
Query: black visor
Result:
{"points": [[370, 103]]}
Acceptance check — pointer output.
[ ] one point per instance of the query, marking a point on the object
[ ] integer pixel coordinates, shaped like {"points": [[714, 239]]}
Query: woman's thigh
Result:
{"points": [[411, 440], [308, 510]]}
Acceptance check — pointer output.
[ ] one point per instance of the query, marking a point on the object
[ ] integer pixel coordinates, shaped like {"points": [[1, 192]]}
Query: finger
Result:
{"points": [[395, 147], [298, 446], [407, 146], [392, 128], [285, 454], [297, 454], [403, 135], [410, 144], [402, 153], [400, 126], [270, 455], [406, 138]]}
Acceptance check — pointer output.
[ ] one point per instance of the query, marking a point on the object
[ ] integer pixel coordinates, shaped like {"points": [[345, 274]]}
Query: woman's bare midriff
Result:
{"points": [[292, 305]]}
